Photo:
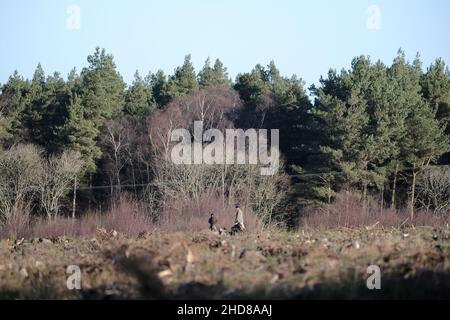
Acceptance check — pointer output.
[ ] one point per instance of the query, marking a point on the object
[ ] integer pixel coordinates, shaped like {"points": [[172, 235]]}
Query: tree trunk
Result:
{"points": [[364, 196], [382, 199], [413, 193], [90, 193], [223, 185], [116, 165], [74, 201], [134, 178], [111, 186], [148, 172], [329, 193], [394, 187]]}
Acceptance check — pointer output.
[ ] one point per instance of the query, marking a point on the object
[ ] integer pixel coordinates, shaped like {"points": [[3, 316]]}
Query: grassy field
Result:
{"points": [[414, 263]]}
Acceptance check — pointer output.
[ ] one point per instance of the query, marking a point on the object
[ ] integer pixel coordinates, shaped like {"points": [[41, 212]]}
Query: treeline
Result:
{"points": [[372, 128]]}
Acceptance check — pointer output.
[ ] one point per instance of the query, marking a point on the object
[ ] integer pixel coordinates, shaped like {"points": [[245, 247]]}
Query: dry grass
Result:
{"points": [[126, 216], [349, 211], [415, 263], [131, 218], [122, 254], [193, 214]]}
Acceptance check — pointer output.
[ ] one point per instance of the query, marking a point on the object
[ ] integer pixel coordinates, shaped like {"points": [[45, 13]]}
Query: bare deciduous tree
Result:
{"points": [[116, 143], [20, 175], [242, 183], [433, 190], [58, 175]]}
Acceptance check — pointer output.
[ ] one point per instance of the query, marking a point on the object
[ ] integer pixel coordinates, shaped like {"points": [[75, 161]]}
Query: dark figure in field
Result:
{"points": [[212, 223], [238, 225]]}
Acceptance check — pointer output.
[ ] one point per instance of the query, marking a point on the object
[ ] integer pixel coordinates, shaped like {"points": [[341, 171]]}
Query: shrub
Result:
{"points": [[58, 175], [127, 217], [17, 226], [243, 183], [20, 174], [188, 214], [349, 210], [433, 190]]}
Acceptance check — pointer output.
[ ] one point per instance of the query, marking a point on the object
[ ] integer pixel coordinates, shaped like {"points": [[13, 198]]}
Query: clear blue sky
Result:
{"points": [[303, 37]]}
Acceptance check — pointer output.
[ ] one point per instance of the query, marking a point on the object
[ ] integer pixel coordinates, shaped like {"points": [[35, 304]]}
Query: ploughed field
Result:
{"points": [[309, 264]]}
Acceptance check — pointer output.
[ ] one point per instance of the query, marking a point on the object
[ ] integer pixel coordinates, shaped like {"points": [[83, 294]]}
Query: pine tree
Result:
{"points": [[55, 114], [212, 76], [103, 88], [160, 88], [138, 99], [46, 111], [253, 86], [350, 112], [184, 81], [435, 85], [272, 101], [13, 101], [206, 75], [425, 141], [74, 82], [34, 112], [81, 134], [220, 74]]}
